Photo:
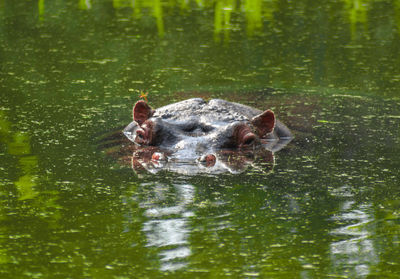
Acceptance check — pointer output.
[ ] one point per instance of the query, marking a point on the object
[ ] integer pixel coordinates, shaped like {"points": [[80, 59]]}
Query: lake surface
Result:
{"points": [[70, 72]]}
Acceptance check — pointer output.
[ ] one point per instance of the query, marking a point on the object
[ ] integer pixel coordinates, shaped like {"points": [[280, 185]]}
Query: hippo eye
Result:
{"points": [[197, 129], [189, 129], [206, 128]]}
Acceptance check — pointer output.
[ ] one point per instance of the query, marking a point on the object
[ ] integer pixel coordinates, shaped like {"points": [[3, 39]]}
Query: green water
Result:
{"points": [[70, 72]]}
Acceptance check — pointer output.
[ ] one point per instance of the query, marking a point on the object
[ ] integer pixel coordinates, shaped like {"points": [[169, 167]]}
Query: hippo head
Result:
{"points": [[199, 134]]}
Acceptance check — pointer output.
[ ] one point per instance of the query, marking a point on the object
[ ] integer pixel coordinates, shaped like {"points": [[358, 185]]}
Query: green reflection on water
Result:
{"points": [[254, 11], [397, 10], [343, 44], [41, 9], [137, 6], [84, 4], [32, 203], [18, 145], [357, 10]]}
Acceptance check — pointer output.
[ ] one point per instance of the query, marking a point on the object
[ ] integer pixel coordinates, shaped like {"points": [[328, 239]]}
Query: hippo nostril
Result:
{"points": [[158, 156], [208, 159]]}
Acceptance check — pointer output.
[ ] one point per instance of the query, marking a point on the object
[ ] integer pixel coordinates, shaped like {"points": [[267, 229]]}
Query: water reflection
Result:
{"points": [[227, 161], [85, 4], [41, 9], [299, 44], [255, 12], [353, 254], [167, 226], [18, 145]]}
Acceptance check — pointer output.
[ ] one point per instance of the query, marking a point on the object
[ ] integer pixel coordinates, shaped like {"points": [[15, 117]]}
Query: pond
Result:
{"points": [[70, 73]]}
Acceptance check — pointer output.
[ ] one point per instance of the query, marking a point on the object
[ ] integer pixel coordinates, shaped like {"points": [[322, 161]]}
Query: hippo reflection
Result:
{"points": [[195, 136]]}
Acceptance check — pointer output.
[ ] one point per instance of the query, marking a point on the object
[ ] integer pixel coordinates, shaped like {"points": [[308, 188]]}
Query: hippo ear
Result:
{"points": [[141, 112], [264, 122]]}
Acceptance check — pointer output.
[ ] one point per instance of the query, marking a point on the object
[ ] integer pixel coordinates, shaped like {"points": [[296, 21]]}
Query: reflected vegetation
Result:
{"points": [[256, 12], [21, 196], [85, 4], [286, 44], [18, 145]]}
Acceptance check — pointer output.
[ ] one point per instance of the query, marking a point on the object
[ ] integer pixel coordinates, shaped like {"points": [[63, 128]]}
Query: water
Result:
{"points": [[71, 71]]}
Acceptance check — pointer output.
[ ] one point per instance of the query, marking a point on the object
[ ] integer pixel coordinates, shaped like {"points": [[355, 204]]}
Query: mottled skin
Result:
{"points": [[197, 131]]}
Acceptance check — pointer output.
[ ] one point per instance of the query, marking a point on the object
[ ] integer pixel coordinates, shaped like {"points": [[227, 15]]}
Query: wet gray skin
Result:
{"points": [[194, 136]]}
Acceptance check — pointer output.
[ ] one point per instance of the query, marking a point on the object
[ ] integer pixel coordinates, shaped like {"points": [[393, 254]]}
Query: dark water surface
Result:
{"points": [[70, 72]]}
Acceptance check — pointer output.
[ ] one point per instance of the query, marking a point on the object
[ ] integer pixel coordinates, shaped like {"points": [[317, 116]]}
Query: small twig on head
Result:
{"points": [[143, 95]]}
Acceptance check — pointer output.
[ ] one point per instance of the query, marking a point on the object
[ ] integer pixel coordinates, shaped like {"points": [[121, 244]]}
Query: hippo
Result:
{"points": [[195, 136]]}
